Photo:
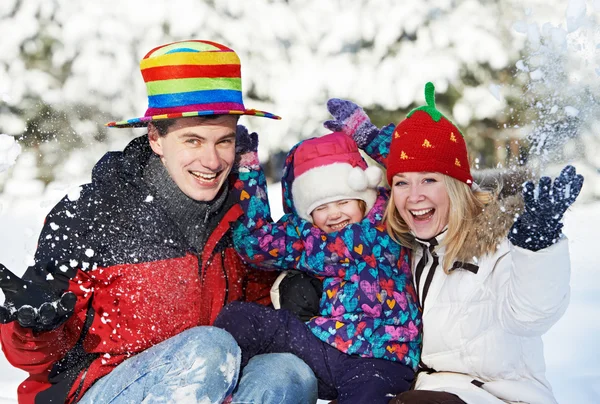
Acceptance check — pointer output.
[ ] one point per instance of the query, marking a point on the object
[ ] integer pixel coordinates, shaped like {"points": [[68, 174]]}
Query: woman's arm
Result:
{"points": [[537, 292]]}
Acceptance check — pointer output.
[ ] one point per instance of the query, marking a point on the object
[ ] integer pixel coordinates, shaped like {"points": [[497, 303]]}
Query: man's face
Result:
{"points": [[198, 153]]}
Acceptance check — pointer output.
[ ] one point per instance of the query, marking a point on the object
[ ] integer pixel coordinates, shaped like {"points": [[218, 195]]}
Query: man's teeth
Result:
{"points": [[339, 225], [420, 212], [204, 176]]}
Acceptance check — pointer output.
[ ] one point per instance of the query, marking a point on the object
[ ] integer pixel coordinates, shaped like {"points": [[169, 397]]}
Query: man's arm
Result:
{"points": [[53, 294]]}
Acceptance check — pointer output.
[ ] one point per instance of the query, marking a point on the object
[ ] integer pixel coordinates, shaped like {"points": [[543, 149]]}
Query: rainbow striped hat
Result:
{"points": [[191, 78]]}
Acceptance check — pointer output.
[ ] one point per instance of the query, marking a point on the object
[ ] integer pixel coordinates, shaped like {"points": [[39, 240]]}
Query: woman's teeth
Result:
{"points": [[420, 212]]}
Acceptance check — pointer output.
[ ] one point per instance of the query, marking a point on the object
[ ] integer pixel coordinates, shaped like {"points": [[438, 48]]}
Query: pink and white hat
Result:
{"points": [[330, 168]]}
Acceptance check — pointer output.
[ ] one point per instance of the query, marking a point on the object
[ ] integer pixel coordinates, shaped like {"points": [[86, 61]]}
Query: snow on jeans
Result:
{"points": [[201, 365]]}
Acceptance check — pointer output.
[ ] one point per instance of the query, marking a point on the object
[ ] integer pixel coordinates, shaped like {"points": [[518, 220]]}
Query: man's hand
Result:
{"points": [[351, 120], [246, 149], [34, 305], [540, 224]]}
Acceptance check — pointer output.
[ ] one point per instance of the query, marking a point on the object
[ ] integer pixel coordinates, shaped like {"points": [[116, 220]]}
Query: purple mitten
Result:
{"points": [[352, 120], [246, 149]]}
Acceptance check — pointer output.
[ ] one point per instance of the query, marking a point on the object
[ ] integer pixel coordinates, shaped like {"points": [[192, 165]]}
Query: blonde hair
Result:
{"points": [[465, 206], [362, 205]]}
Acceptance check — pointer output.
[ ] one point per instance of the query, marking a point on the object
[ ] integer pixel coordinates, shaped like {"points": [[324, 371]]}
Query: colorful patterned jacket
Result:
{"points": [[369, 306], [138, 281]]}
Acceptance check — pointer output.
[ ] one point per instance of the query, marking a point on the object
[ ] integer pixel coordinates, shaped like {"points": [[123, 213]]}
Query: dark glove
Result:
{"points": [[246, 149], [300, 293], [540, 224], [34, 305], [351, 120]]}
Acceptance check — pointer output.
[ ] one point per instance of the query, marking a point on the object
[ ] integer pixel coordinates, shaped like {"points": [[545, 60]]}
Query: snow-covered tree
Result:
{"points": [[67, 67]]}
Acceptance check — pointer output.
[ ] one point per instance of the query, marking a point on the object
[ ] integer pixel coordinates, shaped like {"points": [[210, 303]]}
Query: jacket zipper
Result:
{"points": [[224, 267], [78, 391], [86, 327]]}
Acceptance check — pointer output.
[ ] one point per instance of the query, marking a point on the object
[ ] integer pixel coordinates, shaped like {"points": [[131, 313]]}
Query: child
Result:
{"points": [[365, 344]]}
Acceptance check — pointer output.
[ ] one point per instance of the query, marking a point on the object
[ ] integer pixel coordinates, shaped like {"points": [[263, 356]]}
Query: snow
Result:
{"points": [[9, 151], [571, 348], [575, 14], [571, 111], [295, 55], [536, 74]]}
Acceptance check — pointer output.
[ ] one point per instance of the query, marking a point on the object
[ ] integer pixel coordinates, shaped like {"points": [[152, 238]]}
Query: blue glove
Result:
{"points": [[351, 120], [246, 149], [540, 224]]}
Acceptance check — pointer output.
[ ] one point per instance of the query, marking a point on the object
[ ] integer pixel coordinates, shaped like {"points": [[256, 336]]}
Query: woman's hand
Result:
{"points": [[540, 224]]}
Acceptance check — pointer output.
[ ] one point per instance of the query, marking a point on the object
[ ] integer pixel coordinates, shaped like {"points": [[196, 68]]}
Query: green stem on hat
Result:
{"points": [[430, 107], [430, 94]]}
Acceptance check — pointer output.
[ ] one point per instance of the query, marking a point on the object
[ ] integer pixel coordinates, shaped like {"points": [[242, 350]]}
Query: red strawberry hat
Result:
{"points": [[427, 141]]}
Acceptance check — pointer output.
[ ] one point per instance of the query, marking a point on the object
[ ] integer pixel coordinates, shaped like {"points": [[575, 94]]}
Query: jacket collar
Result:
{"points": [[436, 248]]}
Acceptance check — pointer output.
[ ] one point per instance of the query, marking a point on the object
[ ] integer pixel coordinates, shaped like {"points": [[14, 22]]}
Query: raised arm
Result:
{"points": [[260, 242], [537, 293], [352, 120], [291, 242]]}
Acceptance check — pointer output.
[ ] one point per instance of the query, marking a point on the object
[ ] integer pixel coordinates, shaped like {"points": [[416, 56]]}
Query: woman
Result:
{"points": [[489, 288]]}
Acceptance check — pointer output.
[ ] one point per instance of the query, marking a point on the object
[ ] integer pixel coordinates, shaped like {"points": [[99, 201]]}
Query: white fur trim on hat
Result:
{"points": [[334, 182]]}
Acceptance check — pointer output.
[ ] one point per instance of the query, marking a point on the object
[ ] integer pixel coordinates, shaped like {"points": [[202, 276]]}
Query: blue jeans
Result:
{"points": [[201, 365]]}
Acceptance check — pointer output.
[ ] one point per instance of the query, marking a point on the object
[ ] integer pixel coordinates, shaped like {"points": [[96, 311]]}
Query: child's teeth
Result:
{"points": [[339, 225]]}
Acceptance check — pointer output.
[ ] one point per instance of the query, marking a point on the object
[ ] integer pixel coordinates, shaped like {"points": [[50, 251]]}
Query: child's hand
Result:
{"points": [[352, 120], [246, 149], [540, 225]]}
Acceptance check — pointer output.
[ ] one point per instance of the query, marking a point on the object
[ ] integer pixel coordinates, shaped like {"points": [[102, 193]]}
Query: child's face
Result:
{"points": [[334, 216]]}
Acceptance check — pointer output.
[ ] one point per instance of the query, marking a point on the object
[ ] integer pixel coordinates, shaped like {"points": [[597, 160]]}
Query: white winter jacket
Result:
{"points": [[484, 325]]}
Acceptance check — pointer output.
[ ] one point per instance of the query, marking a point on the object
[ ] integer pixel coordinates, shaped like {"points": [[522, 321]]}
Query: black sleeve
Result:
{"points": [[300, 294]]}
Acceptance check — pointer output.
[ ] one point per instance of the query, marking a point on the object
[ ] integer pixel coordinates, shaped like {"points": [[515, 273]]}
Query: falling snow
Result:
{"points": [[9, 151], [304, 58]]}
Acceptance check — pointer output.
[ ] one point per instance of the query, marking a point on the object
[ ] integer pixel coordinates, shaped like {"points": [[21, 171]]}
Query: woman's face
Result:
{"points": [[422, 201]]}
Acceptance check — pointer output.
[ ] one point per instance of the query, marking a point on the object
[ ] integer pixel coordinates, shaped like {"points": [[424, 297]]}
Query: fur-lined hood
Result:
{"points": [[496, 219]]}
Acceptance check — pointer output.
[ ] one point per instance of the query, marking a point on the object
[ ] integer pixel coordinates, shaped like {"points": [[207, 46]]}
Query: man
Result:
{"points": [[127, 271]]}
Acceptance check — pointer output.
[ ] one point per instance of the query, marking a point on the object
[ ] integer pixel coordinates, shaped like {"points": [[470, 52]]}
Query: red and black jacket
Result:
{"points": [[137, 280]]}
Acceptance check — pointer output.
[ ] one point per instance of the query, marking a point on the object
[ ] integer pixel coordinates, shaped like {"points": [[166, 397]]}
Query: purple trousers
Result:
{"points": [[349, 378]]}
